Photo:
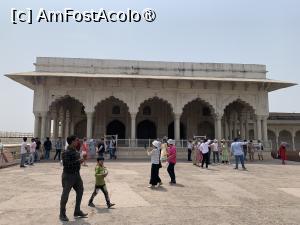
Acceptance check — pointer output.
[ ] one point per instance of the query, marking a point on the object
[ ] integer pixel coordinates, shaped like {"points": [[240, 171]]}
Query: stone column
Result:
{"points": [[226, 128], [258, 127], [67, 124], [293, 140], [177, 127], [277, 139], [247, 127], [36, 125], [265, 128], [49, 126], [254, 130], [218, 127], [133, 141], [242, 130], [230, 129], [133, 126], [62, 123], [54, 117], [43, 125], [89, 128], [55, 128]]}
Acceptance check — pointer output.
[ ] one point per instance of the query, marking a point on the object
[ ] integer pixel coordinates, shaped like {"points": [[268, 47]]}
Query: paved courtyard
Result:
{"points": [[267, 193]]}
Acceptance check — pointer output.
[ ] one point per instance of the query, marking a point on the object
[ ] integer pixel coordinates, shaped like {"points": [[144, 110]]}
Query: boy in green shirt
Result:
{"points": [[100, 173]]}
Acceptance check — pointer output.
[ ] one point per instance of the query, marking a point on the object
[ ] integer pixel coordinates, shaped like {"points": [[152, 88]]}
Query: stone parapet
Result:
{"points": [[155, 68]]}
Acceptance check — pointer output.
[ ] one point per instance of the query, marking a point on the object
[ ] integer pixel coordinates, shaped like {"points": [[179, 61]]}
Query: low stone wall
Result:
{"points": [[141, 153], [291, 155]]}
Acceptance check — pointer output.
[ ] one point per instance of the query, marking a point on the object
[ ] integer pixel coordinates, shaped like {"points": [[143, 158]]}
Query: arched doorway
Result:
{"points": [[80, 129], [238, 119], [272, 138], [146, 129], [171, 131], [116, 127], [67, 117], [286, 136], [194, 114], [251, 134], [206, 129], [112, 117], [158, 113]]}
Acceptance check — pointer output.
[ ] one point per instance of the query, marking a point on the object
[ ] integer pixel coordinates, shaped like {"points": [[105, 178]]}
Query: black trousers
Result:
{"points": [[155, 179], [209, 155], [58, 152], [70, 181], [205, 160], [104, 190], [189, 154], [171, 172]]}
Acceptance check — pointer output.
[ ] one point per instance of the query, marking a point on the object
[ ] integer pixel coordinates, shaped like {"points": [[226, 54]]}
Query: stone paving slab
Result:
{"points": [[268, 193]]}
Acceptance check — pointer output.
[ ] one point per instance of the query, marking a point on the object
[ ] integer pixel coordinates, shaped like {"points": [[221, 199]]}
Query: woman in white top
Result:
{"points": [[163, 152], [155, 165]]}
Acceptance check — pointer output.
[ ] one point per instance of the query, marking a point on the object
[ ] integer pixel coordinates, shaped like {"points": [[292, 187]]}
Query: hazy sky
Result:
{"points": [[225, 31]]}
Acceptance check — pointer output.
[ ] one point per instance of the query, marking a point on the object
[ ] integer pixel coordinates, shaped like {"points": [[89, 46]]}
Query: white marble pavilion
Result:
{"points": [[143, 99]]}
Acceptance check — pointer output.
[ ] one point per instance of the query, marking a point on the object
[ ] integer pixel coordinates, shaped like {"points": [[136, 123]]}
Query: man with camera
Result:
{"points": [[71, 178]]}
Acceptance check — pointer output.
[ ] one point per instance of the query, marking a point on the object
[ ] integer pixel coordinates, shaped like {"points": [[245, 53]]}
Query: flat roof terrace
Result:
{"points": [[154, 68], [151, 70]]}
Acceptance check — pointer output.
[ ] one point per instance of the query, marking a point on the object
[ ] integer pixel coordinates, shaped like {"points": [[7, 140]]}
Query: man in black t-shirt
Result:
{"points": [[47, 148], [37, 149], [101, 148], [245, 150], [71, 179]]}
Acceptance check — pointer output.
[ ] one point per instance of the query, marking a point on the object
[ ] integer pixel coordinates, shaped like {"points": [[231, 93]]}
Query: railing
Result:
{"points": [[5, 134], [179, 143], [13, 137], [130, 143]]}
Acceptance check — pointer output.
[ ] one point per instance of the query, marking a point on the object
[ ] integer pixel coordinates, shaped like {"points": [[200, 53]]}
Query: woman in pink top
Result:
{"points": [[85, 148], [171, 160]]}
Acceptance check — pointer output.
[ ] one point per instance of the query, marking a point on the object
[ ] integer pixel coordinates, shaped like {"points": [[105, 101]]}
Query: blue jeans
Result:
{"points": [[23, 159], [237, 159], [47, 154], [36, 156], [112, 153]]}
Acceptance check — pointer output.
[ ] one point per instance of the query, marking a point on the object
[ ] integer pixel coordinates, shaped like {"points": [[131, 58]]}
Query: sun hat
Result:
{"points": [[171, 142], [156, 143]]}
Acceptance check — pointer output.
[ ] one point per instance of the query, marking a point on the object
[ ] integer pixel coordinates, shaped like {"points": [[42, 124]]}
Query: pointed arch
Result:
{"points": [[154, 98], [202, 101], [63, 98], [232, 99]]}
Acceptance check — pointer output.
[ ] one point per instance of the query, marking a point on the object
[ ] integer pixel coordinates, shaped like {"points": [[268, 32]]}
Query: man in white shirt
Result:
{"points": [[32, 151], [205, 152], [23, 152], [112, 148]]}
